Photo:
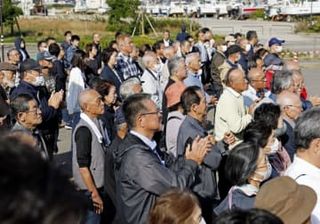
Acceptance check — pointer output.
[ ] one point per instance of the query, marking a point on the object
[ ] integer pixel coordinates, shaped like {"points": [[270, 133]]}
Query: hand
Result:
{"points": [[229, 138], [214, 100], [56, 99], [2, 119], [314, 100], [198, 150], [211, 139], [97, 202]]}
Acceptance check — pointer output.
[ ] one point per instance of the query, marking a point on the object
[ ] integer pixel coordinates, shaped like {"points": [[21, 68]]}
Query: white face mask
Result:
{"points": [[39, 81], [278, 49], [274, 147], [223, 48], [248, 47], [202, 221]]}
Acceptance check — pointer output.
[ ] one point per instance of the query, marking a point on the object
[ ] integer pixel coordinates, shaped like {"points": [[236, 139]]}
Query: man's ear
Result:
{"points": [[315, 145], [194, 107], [21, 116]]}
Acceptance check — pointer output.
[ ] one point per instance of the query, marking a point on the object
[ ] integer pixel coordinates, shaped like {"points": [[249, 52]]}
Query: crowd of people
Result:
{"points": [[193, 130]]}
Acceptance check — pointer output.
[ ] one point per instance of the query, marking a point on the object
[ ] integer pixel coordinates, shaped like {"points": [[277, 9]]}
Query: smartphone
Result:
{"points": [[188, 142]]}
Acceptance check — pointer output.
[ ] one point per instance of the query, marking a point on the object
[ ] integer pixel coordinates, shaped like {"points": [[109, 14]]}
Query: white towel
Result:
{"points": [[93, 126]]}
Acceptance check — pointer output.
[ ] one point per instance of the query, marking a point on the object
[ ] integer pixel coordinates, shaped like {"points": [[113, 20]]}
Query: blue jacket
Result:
{"points": [[41, 95]]}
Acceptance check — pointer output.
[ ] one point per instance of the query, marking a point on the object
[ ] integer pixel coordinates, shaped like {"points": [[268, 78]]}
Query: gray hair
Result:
{"points": [[174, 64], [126, 88], [307, 128], [20, 104], [148, 57], [190, 57], [282, 80]]}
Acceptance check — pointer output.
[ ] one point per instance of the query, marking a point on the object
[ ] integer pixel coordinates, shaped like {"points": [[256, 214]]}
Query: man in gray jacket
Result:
{"points": [[89, 141], [194, 105]]}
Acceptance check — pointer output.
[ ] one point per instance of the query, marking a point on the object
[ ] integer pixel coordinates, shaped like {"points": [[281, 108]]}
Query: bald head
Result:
{"points": [[255, 74], [236, 80]]}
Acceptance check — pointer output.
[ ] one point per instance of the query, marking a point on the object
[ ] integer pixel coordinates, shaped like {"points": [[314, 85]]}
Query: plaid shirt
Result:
{"points": [[126, 67]]}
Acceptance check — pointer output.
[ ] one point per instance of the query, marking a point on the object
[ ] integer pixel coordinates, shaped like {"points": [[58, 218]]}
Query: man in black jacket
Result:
{"points": [[141, 174]]}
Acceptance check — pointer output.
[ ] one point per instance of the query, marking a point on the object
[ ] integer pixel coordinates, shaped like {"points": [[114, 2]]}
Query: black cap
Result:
{"points": [[233, 49], [29, 65]]}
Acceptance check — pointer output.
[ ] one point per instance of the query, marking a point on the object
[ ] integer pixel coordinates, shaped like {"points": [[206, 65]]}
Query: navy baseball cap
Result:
{"points": [[274, 41], [29, 65]]}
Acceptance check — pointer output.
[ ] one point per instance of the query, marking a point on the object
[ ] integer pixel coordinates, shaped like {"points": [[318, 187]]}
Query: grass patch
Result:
{"points": [[39, 28]]}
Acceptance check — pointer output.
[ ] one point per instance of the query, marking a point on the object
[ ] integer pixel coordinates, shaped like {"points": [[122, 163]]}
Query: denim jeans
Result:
{"points": [[91, 216]]}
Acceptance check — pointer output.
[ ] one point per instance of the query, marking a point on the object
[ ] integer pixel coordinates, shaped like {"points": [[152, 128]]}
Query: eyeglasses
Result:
{"points": [[298, 107], [150, 113], [259, 80]]}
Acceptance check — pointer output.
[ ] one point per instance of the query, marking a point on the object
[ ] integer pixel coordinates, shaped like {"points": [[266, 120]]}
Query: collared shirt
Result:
{"points": [[151, 143], [195, 80], [203, 52], [250, 95], [166, 43], [231, 115], [126, 67], [151, 85], [307, 174]]}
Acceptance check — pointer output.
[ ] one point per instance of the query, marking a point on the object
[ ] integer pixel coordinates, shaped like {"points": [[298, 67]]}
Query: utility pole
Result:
{"points": [[1, 35]]}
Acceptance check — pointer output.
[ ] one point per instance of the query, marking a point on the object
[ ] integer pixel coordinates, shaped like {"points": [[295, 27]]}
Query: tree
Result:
{"points": [[122, 9], [10, 13]]}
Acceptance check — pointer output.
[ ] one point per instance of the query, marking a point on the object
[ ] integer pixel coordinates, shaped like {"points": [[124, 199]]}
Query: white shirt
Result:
{"points": [[151, 143], [251, 93], [307, 174], [151, 85]]}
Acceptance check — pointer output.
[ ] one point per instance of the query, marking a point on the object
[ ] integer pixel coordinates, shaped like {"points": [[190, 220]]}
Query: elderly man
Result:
{"points": [[233, 56], [282, 81], [305, 168], [27, 114], [178, 72], [89, 143], [125, 66], [8, 76], [32, 83], [13, 56], [291, 108], [141, 174], [195, 107], [257, 87], [151, 77], [193, 63], [168, 53], [231, 114]]}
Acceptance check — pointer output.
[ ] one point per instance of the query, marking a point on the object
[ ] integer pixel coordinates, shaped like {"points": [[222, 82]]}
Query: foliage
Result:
{"points": [[308, 26], [10, 12], [258, 14], [121, 9]]}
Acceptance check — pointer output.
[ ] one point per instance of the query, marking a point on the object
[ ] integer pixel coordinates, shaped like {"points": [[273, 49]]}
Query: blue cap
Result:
{"points": [[274, 41]]}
